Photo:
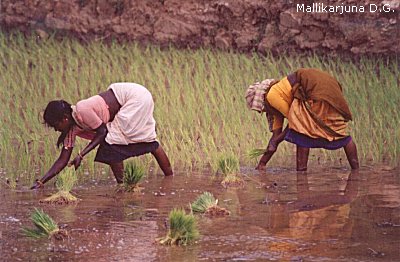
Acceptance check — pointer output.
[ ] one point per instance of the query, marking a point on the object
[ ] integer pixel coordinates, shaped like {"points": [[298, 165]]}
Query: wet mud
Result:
{"points": [[322, 215]]}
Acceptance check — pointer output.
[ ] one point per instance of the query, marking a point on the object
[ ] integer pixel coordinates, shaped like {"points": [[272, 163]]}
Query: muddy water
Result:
{"points": [[324, 215]]}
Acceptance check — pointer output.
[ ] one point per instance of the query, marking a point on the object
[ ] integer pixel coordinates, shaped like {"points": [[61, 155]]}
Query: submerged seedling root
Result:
{"points": [[60, 198], [44, 226], [215, 211], [232, 180], [182, 229], [207, 204], [128, 188]]}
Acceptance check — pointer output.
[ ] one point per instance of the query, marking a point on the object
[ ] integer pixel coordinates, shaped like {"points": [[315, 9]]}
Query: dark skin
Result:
{"points": [[100, 133], [302, 152], [277, 137]]}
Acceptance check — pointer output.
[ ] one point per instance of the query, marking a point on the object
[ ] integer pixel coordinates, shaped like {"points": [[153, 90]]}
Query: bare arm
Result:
{"points": [[277, 137], [101, 133], [56, 168]]}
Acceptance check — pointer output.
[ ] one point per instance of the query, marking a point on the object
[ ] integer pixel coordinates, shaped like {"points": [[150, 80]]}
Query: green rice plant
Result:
{"points": [[44, 226], [203, 202], [66, 180], [228, 165], [64, 183], [255, 153], [182, 229], [133, 174], [207, 204], [208, 85]]}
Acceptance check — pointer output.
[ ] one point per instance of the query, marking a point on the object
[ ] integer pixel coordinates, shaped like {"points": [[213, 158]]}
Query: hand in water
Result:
{"points": [[37, 185]]}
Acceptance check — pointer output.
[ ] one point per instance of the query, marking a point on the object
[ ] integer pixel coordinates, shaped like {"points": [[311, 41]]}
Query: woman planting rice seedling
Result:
{"points": [[64, 184], [44, 226], [229, 167], [182, 229], [317, 113], [207, 204], [120, 120]]}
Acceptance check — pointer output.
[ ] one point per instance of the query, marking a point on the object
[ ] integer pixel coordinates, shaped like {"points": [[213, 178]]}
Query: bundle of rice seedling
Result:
{"points": [[133, 174], [44, 226], [207, 204], [232, 180], [182, 229], [229, 167], [254, 153], [64, 183]]}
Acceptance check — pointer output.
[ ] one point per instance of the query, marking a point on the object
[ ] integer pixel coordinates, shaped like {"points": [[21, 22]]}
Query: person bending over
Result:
{"points": [[317, 113], [120, 121]]}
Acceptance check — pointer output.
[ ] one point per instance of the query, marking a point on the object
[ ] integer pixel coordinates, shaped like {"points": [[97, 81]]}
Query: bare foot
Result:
{"points": [[261, 167]]}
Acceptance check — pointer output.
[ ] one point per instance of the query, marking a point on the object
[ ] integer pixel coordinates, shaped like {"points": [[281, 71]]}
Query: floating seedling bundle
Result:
{"points": [[133, 174], [182, 229], [64, 183], [44, 226], [207, 204], [229, 167]]}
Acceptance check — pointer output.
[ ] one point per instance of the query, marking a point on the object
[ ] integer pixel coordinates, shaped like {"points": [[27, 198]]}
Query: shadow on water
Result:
{"points": [[279, 215]]}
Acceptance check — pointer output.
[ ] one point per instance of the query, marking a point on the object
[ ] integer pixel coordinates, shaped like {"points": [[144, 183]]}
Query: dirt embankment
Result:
{"points": [[359, 27]]}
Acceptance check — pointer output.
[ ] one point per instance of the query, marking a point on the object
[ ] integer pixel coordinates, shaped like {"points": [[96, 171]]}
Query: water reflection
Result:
{"points": [[330, 216], [312, 214], [320, 215]]}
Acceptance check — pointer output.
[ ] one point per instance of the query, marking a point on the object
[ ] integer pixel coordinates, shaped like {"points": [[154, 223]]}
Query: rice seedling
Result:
{"points": [[64, 183], [44, 226], [207, 204], [182, 229], [208, 86], [133, 174], [255, 153], [229, 167]]}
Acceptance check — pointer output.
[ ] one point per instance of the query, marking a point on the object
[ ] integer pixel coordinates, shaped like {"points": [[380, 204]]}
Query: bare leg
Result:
{"points": [[163, 161], [302, 158], [351, 153], [118, 171]]}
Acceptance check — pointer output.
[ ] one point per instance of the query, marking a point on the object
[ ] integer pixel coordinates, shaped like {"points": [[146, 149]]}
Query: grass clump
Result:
{"points": [[133, 174], [207, 204], [182, 229], [44, 226], [64, 183], [229, 167]]}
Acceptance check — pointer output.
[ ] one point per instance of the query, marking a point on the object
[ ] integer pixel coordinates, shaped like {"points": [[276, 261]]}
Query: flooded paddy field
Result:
{"points": [[280, 215]]}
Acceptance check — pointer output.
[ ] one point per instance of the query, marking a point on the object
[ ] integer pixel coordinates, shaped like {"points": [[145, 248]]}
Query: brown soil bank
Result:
{"points": [[359, 27]]}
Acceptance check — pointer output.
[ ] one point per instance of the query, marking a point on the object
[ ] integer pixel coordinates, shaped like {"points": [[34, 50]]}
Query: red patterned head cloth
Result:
{"points": [[255, 94]]}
